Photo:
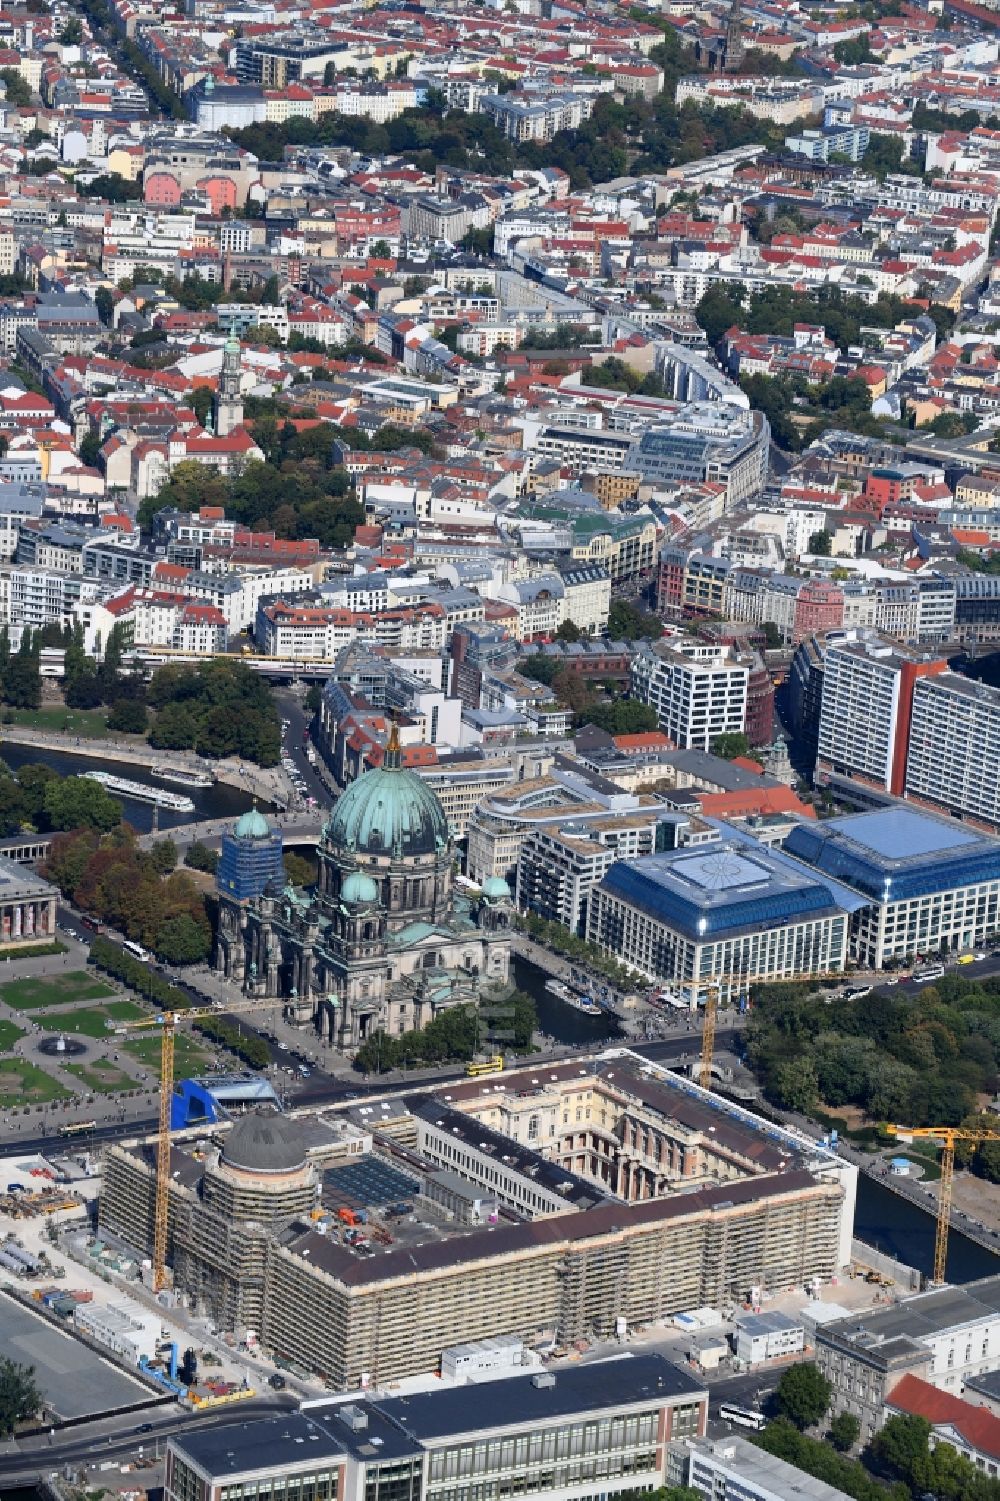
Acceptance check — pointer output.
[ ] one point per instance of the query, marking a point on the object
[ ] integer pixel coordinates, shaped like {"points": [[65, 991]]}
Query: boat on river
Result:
{"points": [[571, 997], [182, 777], [141, 792]]}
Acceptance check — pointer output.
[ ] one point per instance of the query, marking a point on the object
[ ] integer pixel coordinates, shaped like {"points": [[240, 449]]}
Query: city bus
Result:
{"points": [[90, 922], [743, 1417], [77, 1128], [492, 1065], [136, 950]]}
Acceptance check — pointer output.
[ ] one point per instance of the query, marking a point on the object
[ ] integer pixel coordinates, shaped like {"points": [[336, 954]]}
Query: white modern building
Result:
{"points": [[733, 1469], [697, 694], [953, 757]]}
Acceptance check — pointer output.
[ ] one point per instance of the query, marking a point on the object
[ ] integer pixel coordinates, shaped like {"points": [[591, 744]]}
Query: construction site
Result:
{"points": [[560, 1204]]}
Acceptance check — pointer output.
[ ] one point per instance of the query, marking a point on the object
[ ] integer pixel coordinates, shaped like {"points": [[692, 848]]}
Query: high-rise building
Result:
{"points": [[698, 692], [953, 758], [864, 723]]}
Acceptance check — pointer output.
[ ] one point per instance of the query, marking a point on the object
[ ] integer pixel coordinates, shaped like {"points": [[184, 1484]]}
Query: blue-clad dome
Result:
{"points": [[496, 888], [359, 888], [252, 825], [388, 811]]}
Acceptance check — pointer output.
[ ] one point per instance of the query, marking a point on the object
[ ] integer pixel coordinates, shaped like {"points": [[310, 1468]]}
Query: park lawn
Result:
{"points": [[89, 724], [9, 1034], [22, 1083], [100, 1077], [92, 1021], [189, 1058], [38, 992]]}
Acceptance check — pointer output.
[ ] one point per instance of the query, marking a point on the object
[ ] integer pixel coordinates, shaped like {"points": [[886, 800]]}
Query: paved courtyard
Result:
{"points": [[75, 1380]]}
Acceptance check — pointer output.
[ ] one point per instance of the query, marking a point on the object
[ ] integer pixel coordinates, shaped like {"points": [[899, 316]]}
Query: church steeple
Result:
{"points": [[228, 404], [735, 50]]}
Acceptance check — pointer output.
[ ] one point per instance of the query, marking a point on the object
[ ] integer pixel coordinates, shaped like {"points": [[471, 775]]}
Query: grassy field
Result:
{"points": [[90, 724], [22, 1083], [188, 1057], [92, 1021], [100, 1077], [9, 1034], [38, 992]]}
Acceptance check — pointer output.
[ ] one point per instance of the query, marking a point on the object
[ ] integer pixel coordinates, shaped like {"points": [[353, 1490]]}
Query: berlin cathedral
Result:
{"points": [[383, 941]]}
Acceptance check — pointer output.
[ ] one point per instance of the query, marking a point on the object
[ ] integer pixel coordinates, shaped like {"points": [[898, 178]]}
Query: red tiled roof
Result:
{"points": [[753, 800], [649, 740], [977, 1426]]}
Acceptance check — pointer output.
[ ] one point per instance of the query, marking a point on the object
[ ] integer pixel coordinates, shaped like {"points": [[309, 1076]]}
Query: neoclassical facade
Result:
{"points": [[27, 907], [383, 941]]}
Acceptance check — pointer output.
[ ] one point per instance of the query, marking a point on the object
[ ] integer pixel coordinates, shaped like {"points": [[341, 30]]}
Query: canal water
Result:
{"points": [[891, 1223], [556, 1019], [217, 801]]}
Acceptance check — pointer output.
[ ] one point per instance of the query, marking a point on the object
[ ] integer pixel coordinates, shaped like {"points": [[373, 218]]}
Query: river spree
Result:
{"points": [[892, 1224], [217, 801], [555, 1018]]}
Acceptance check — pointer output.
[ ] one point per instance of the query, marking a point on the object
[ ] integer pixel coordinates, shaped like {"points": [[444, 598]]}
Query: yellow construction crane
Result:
{"points": [[710, 1015], [947, 1135], [168, 1022]]}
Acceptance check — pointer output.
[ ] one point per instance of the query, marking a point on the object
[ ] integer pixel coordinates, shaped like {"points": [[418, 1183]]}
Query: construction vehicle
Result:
{"points": [[947, 1136], [168, 1022]]}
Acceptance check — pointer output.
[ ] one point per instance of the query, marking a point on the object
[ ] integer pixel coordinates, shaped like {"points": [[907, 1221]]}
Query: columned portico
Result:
{"points": [[27, 907]]}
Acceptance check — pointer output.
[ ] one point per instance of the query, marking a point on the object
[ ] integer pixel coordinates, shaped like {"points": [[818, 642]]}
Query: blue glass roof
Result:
{"points": [[712, 893], [897, 853]]}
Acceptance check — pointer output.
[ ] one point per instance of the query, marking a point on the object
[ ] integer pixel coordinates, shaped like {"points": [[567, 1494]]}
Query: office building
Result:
{"points": [[734, 1469], [768, 1336], [587, 1432], [698, 692], [568, 792], [738, 911], [559, 867], [944, 1337], [705, 442], [926, 884], [866, 711]]}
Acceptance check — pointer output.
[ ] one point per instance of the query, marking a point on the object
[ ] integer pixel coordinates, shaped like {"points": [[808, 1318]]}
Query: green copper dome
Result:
{"points": [[252, 825], [496, 888], [388, 811], [359, 888]]}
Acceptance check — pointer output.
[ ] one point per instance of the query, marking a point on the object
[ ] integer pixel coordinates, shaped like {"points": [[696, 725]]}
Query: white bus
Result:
{"points": [[137, 951], [743, 1417]]}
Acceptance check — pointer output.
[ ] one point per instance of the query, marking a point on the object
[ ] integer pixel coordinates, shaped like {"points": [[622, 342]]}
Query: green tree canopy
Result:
{"points": [[845, 1430], [77, 802], [803, 1394], [20, 1396], [730, 745]]}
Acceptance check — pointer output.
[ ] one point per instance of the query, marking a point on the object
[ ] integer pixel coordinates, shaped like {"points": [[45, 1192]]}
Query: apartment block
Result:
{"points": [[865, 718], [953, 757]]}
